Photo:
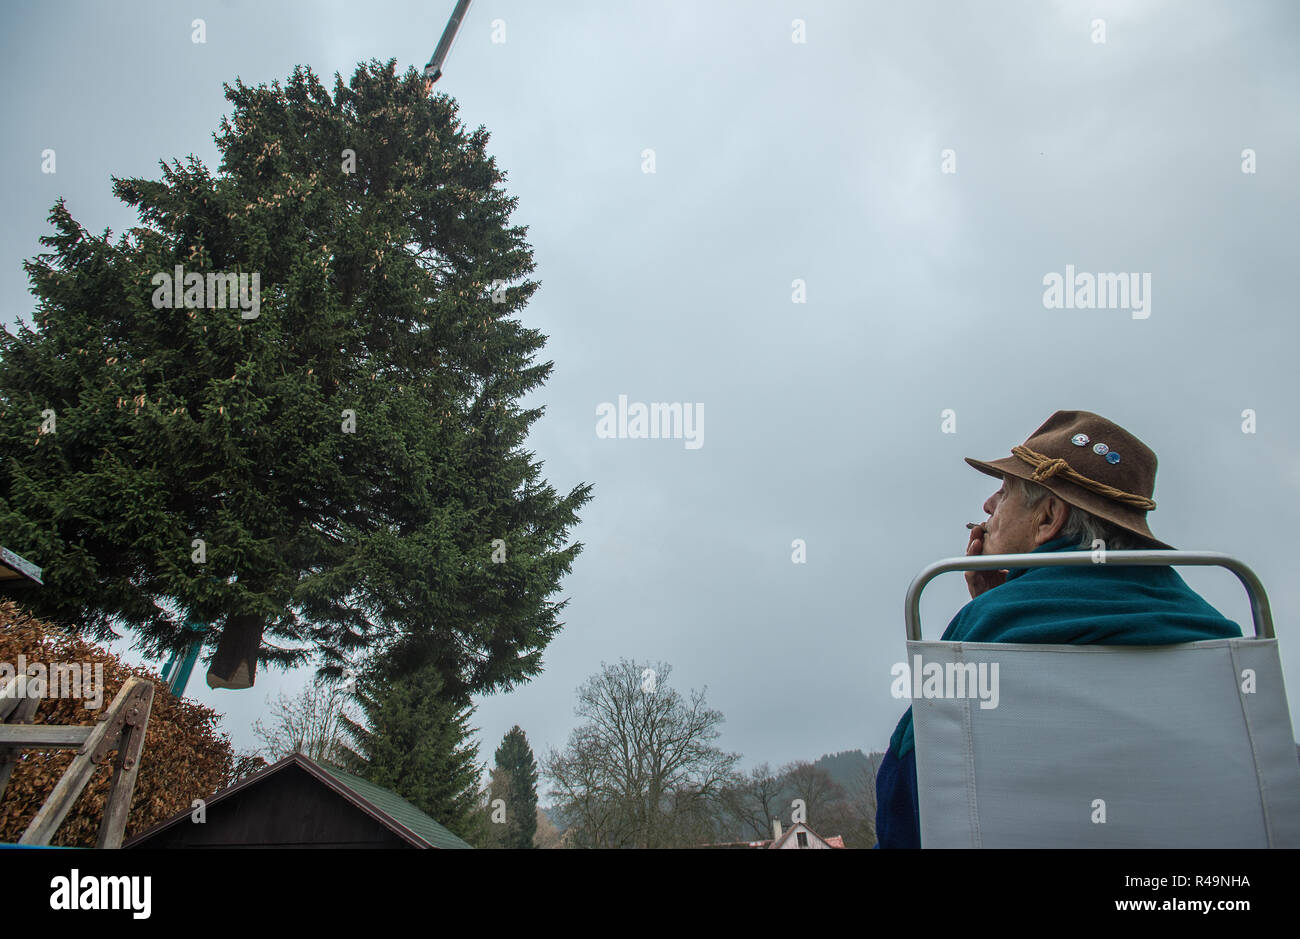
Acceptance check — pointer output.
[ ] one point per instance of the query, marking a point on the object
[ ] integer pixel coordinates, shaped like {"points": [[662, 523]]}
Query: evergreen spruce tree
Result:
{"points": [[414, 740], [494, 814], [517, 772], [330, 459]]}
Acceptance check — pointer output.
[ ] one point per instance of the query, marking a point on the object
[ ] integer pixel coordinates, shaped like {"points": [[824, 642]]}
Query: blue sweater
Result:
{"points": [[1100, 603]]}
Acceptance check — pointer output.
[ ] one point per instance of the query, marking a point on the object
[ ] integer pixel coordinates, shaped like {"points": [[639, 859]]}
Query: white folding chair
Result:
{"points": [[1176, 746]]}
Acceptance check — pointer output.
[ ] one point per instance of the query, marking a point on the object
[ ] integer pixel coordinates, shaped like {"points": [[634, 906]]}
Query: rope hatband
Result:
{"points": [[1045, 467]]}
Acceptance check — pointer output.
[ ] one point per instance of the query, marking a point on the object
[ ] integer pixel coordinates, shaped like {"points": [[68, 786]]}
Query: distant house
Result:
{"points": [[799, 836], [300, 803]]}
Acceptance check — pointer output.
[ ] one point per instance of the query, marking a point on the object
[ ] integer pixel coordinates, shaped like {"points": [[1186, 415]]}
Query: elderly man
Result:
{"points": [[1078, 479]]}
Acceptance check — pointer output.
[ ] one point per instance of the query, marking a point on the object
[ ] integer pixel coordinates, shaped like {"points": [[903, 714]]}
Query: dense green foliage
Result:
{"points": [[517, 774], [413, 740], [377, 228]]}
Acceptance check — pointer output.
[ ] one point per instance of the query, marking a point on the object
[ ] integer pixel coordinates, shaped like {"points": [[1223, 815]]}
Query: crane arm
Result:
{"points": [[433, 71]]}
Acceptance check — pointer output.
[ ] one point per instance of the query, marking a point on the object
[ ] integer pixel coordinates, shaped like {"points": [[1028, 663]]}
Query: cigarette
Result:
{"points": [[972, 525]]}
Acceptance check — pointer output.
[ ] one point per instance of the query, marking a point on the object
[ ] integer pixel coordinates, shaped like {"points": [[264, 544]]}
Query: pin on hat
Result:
{"points": [[1113, 479]]}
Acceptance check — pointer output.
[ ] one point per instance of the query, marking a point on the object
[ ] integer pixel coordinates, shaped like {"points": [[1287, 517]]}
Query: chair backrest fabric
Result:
{"points": [[1087, 746]]}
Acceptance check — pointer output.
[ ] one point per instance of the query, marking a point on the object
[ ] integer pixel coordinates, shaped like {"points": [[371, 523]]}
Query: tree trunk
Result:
{"points": [[235, 663]]}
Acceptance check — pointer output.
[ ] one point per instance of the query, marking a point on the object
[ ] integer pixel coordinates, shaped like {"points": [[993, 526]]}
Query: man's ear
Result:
{"points": [[1054, 514]]}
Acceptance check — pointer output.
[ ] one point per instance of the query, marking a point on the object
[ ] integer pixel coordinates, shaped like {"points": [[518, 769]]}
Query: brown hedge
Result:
{"points": [[184, 756]]}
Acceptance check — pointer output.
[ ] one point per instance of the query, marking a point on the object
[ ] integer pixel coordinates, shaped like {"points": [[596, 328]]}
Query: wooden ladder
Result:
{"points": [[120, 727]]}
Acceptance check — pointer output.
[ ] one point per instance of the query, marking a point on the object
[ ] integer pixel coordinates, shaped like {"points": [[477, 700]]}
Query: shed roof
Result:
{"points": [[395, 807], [383, 805]]}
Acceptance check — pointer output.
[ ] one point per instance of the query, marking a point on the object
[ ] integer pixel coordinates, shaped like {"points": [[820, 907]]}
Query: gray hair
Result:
{"points": [[1083, 528]]}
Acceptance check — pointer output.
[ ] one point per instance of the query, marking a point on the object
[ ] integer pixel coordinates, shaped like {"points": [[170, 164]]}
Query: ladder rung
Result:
{"points": [[46, 736]]}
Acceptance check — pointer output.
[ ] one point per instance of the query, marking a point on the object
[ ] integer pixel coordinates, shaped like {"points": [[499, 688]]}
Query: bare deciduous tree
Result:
{"points": [[547, 835], [641, 772], [309, 723], [860, 829], [754, 800], [815, 787], [852, 815]]}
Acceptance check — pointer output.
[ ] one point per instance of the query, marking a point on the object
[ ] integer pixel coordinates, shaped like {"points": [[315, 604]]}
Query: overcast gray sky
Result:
{"points": [[779, 161]]}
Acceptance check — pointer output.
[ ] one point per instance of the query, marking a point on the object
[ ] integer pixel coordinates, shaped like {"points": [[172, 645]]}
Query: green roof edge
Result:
{"points": [[395, 807]]}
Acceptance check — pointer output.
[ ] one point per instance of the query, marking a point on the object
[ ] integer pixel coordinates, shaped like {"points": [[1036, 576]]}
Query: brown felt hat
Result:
{"points": [[1091, 463]]}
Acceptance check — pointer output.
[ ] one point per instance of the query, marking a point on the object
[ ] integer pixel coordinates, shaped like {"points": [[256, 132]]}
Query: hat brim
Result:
{"points": [[1131, 520]]}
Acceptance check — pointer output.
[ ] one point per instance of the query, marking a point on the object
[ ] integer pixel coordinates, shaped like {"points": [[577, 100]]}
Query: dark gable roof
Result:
{"points": [[387, 808]]}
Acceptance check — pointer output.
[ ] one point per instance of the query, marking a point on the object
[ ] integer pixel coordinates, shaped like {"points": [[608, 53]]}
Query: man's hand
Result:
{"points": [[980, 581]]}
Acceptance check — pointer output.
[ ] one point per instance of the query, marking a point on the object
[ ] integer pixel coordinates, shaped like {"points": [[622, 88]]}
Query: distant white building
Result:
{"points": [[801, 836]]}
